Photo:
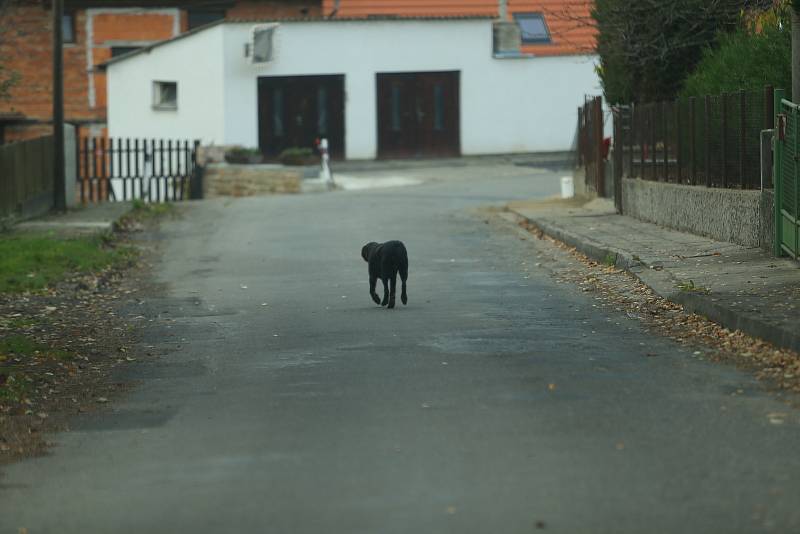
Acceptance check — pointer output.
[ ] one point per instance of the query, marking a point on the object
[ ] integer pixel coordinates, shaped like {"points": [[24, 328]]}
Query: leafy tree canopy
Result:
{"points": [[648, 48], [757, 54]]}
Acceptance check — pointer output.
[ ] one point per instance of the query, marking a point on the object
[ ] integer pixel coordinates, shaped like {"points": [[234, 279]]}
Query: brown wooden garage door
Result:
{"points": [[418, 114], [294, 111]]}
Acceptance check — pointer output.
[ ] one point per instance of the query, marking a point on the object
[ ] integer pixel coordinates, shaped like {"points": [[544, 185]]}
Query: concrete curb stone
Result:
{"points": [[664, 284], [94, 219]]}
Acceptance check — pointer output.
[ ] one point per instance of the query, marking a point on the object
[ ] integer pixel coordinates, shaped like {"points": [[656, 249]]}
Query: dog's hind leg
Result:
{"points": [[403, 278], [385, 291], [392, 288]]}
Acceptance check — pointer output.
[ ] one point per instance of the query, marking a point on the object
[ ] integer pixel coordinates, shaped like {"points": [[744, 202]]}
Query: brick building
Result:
{"points": [[94, 31]]}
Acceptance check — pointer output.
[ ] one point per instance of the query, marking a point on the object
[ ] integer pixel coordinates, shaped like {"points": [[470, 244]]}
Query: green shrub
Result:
{"points": [[298, 156], [647, 48], [240, 154], [744, 60]]}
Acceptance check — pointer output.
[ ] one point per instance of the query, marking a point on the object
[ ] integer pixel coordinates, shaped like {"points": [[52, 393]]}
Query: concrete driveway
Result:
{"points": [[497, 401]]}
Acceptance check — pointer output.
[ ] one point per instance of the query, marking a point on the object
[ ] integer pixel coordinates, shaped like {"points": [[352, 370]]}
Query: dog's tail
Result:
{"points": [[403, 269], [403, 263]]}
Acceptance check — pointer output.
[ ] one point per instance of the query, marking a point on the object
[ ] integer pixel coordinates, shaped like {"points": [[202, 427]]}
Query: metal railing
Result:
{"points": [[116, 169], [713, 141], [787, 178]]}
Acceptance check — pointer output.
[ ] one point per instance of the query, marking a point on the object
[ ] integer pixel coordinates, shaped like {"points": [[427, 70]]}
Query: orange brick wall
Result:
{"points": [[567, 20], [26, 47], [121, 28], [132, 27]]}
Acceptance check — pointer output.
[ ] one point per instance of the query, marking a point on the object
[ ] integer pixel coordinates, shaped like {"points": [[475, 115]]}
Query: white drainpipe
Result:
{"points": [[335, 9]]}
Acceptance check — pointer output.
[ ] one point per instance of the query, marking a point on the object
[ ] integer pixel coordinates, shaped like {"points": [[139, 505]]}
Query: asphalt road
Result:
{"points": [[285, 401]]}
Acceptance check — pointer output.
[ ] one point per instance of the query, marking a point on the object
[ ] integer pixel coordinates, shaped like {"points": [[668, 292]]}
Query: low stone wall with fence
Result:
{"points": [[699, 165], [224, 179], [736, 216]]}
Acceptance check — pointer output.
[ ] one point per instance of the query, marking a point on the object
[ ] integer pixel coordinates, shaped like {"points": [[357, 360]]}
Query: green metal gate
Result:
{"points": [[787, 172]]}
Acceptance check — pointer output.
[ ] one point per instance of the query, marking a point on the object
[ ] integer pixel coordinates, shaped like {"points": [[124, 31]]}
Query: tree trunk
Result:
{"points": [[795, 55]]}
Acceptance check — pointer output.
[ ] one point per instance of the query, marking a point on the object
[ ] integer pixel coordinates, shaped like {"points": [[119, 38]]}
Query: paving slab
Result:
{"points": [[88, 220], [740, 288]]}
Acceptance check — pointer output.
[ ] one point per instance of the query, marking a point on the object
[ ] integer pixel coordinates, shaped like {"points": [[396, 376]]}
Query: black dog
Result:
{"points": [[385, 261]]}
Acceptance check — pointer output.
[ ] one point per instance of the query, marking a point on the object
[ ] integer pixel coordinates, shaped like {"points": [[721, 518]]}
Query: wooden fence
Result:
{"points": [[591, 152], [26, 177]]}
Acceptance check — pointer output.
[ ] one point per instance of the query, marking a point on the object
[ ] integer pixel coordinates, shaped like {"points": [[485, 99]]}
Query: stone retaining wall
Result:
{"points": [[224, 179], [742, 217]]}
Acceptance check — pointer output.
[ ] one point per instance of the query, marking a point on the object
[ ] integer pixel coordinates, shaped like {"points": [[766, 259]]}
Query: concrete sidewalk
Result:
{"points": [[737, 287], [88, 220]]}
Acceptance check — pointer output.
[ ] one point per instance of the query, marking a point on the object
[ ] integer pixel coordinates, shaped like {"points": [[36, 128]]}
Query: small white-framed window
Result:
{"points": [[68, 28], [165, 95], [533, 28]]}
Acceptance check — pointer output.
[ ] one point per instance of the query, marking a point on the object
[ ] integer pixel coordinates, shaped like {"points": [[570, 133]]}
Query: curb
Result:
{"points": [[664, 285], [72, 224]]}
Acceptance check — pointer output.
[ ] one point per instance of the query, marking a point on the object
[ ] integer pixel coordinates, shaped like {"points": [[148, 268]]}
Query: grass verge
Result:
{"points": [[142, 211], [32, 262], [60, 332], [18, 353]]}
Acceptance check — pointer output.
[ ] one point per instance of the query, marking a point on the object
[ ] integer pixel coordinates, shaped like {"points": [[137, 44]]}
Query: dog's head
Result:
{"points": [[366, 250]]}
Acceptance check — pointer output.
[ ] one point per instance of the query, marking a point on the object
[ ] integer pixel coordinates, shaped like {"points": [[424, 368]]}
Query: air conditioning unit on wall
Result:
{"points": [[261, 48]]}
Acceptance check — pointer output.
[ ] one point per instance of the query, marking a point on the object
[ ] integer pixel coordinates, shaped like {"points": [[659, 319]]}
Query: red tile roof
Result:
{"points": [[568, 21]]}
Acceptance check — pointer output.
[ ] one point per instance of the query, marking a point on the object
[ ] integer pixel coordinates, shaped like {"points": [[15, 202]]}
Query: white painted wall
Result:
{"points": [[196, 63], [509, 105]]}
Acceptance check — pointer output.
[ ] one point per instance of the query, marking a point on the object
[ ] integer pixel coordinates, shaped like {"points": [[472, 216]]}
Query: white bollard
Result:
{"points": [[325, 171], [567, 187]]}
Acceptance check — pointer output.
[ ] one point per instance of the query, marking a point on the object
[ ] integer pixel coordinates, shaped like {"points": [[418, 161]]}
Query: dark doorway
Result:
{"points": [[418, 114], [294, 111]]}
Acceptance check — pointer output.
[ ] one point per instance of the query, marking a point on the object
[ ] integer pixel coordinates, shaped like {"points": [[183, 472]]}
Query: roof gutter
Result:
{"points": [[148, 48]]}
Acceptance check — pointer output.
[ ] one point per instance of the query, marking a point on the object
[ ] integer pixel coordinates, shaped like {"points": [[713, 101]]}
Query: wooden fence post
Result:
{"points": [[724, 140], [580, 135], [707, 141], [692, 141], [742, 136], [678, 144], [769, 107], [598, 129], [665, 136], [653, 127], [631, 138]]}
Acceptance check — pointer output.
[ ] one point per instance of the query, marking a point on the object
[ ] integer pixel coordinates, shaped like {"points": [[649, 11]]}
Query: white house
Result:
{"points": [[375, 88]]}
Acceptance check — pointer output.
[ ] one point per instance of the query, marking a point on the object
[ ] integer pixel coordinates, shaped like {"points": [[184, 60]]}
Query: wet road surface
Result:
{"points": [[497, 401]]}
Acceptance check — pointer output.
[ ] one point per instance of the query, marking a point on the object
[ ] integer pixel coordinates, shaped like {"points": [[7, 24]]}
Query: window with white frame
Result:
{"points": [[533, 28], [165, 95], [68, 28]]}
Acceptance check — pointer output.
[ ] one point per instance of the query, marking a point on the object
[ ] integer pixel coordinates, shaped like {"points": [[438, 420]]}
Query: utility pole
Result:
{"points": [[59, 177]]}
